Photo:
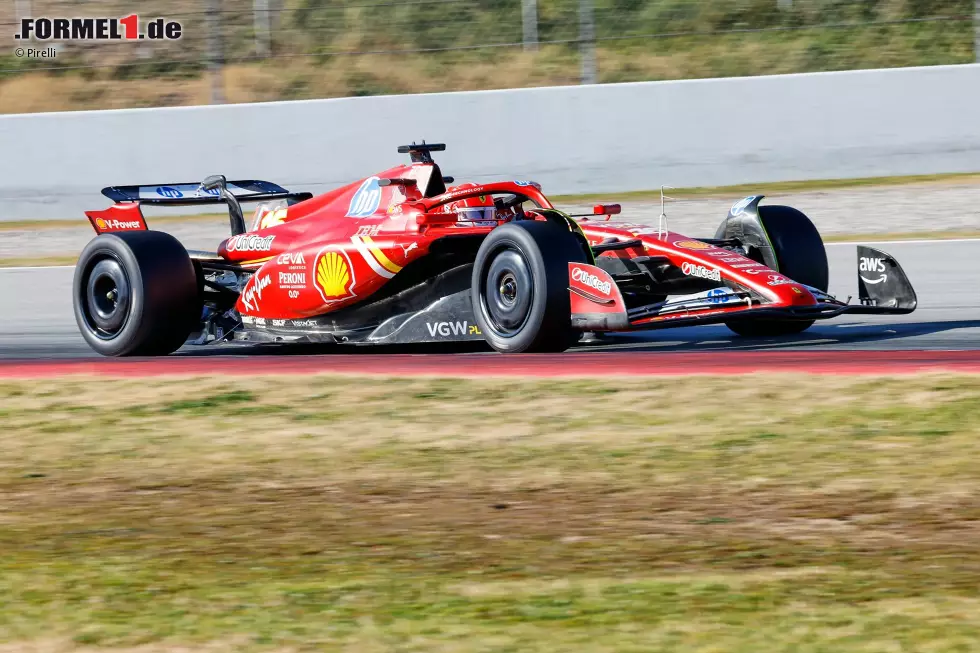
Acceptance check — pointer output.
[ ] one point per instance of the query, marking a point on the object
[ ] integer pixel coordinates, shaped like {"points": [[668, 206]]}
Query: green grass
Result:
{"points": [[38, 261], [32, 225], [786, 513], [720, 38], [903, 235], [639, 196]]}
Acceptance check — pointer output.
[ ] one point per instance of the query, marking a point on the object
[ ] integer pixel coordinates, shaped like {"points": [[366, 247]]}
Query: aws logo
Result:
{"points": [[333, 275], [868, 264]]}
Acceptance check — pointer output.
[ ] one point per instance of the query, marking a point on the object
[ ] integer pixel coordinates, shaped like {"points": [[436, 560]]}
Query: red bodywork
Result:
{"points": [[334, 250], [316, 258], [778, 290], [118, 217], [319, 257]]}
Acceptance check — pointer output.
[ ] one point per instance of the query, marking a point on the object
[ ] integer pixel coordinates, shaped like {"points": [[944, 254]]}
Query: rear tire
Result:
{"points": [[800, 255], [135, 294], [519, 288]]}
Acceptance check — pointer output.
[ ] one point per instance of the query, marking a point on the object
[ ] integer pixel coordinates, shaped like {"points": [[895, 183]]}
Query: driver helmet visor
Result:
{"points": [[476, 214]]}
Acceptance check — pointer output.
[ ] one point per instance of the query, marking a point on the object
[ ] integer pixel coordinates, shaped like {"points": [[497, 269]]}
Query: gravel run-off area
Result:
{"points": [[925, 207]]}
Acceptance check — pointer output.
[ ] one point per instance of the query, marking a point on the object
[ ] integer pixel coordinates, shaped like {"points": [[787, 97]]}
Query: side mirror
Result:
{"points": [[395, 181], [214, 181], [606, 209], [235, 216]]}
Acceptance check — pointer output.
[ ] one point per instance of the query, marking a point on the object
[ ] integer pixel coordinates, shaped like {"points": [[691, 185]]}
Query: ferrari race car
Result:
{"points": [[400, 257]]}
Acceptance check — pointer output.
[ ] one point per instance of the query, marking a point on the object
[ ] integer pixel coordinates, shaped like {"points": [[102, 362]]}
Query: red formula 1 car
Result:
{"points": [[399, 257]]}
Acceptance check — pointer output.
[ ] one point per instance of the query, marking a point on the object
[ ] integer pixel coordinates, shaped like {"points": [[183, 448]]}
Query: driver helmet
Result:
{"points": [[476, 211]]}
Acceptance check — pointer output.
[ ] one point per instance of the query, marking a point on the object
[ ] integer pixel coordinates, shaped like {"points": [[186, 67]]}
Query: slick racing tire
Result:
{"points": [[800, 255], [135, 294], [519, 289]]}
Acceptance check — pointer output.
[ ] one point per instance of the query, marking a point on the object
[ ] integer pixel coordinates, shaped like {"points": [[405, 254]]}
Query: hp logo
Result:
{"points": [[366, 200], [167, 191]]}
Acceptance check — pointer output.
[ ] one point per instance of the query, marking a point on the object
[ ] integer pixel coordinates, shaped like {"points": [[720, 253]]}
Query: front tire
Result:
{"points": [[519, 288], [135, 294], [800, 255]]}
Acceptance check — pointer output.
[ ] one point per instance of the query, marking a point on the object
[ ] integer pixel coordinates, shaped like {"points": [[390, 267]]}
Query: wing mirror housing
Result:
{"points": [[236, 218], [607, 209]]}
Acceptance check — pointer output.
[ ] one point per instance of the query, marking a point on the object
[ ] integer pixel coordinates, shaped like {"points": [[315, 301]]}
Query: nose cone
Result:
{"points": [[792, 293]]}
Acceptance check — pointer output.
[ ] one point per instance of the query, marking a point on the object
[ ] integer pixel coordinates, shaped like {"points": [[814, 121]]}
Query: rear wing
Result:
{"points": [[247, 190], [125, 214]]}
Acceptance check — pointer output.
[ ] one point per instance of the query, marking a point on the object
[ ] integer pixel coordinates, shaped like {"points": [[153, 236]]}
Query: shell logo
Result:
{"points": [[100, 223], [333, 275], [692, 244]]}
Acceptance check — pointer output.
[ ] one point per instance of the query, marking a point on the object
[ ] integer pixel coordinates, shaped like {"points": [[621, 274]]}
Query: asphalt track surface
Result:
{"points": [[38, 334]]}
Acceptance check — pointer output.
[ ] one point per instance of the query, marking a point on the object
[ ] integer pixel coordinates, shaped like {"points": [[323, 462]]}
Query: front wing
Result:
{"points": [[883, 291]]}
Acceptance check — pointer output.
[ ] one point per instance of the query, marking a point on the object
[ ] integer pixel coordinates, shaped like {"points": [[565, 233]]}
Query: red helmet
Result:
{"points": [[473, 211]]}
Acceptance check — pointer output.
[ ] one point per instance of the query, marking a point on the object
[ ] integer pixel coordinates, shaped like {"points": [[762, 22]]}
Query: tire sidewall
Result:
{"points": [[518, 240], [111, 246], [164, 295], [800, 255], [547, 250], [797, 245]]}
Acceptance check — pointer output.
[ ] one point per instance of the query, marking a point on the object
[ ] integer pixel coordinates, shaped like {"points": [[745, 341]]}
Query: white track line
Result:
{"points": [[903, 242], [39, 267], [830, 244]]}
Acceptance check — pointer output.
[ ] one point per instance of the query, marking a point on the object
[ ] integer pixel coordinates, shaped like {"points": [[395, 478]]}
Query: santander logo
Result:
{"points": [[592, 281]]}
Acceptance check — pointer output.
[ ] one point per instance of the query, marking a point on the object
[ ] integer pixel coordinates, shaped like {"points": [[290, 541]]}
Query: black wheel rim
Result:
{"points": [[106, 298], [507, 292]]}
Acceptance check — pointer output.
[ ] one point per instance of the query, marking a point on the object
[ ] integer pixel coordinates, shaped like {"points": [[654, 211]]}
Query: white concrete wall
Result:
{"points": [[610, 137]]}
